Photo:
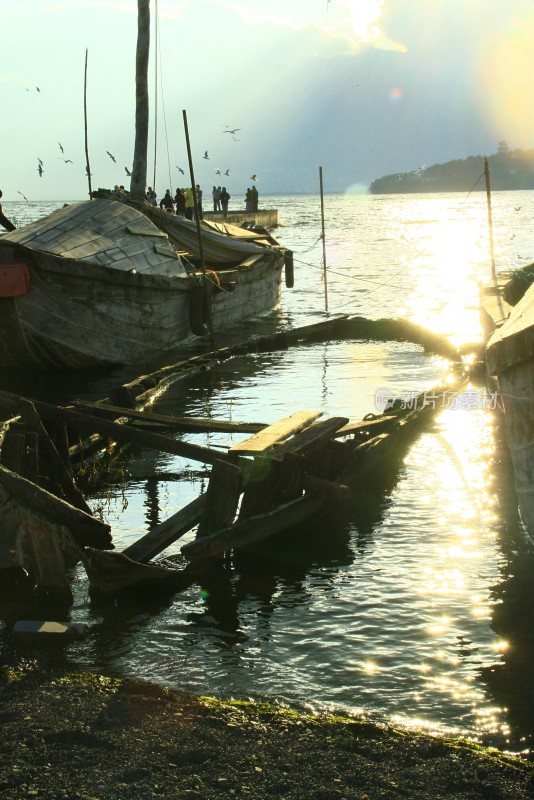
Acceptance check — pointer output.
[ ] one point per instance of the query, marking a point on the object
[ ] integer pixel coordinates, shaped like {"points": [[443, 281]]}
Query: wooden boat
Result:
{"points": [[114, 281], [510, 364]]}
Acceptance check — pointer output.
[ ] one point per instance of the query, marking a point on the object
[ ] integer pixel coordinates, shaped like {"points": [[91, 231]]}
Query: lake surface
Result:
{"points": [[414, 605]]}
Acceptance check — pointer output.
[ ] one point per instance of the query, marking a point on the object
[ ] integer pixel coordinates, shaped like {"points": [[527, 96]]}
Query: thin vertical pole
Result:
{"points": [[156, 53], [199, 233], [87, 165], [490, 220], [324, 241]]}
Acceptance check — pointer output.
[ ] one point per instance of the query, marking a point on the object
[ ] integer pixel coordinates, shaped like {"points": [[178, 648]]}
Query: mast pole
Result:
{"points": [[324, 241], [490, 220], [87, 164], [138, 180]]}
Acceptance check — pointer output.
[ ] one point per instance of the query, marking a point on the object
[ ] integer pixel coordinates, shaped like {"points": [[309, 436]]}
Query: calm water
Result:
{"points": [[413, 605]]}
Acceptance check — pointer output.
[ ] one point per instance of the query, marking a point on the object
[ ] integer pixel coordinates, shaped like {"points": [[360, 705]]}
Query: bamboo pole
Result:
{"points": [[87, 164], [324, 241], [199, 233]]}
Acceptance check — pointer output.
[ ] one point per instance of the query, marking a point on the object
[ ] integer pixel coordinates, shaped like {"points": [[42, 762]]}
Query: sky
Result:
{"points": [[361, 88]]}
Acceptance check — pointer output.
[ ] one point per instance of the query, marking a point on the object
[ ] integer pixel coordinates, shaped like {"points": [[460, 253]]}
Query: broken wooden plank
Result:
{"points": [[182, 424], [276, 432], [309, 439], [364, 425], [254, 529], [163, 535], [85, 529], [222, 498]]}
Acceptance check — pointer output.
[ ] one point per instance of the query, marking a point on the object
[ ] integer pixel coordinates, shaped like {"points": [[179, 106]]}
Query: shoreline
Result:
{"points": [[85, 736]]}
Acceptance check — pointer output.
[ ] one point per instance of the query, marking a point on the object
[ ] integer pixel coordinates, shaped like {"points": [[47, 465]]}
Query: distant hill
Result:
{"points": [[509, 170]]}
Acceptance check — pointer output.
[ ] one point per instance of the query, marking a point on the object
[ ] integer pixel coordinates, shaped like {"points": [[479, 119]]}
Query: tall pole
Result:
{"points": [[490, 220], [87, 164], [199, 232], [138, 180], [324, 241], [156, 56]]}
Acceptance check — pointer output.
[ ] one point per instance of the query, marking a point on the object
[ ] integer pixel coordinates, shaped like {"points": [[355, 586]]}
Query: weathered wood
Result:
{"points": [[112, 572], [374, 425], [182, 424], [313, 437], [222, 498], [337, 491], [118, 432], [85, 529], [270, 483], [276, 432], [163, 535], [254, 529], [60, 472]]}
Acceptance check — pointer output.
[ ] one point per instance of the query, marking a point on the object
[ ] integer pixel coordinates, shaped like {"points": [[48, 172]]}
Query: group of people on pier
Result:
{"points": [[183, 205]]}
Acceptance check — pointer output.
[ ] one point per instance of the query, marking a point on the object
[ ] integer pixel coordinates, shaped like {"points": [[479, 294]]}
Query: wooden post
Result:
{"points": [[199, 233], [87, 164], [324, 241], [138, 181]]}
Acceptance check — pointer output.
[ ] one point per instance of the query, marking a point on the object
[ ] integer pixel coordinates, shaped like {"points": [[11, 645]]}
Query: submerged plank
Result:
{"points": [[163, 535]]}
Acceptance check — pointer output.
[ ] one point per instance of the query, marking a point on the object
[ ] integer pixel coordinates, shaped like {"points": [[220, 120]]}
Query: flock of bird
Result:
{"points": [[226, 173]]}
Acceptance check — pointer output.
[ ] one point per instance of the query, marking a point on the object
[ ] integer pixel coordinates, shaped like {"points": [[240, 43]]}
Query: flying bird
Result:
{"points": [[68, 161], [24, 196], [233, 130], [40, 169], [206, 154], [180, 169], [217, 171], [253, 178], [227, 172], [38, 89], [128, 172], [112, 157], [61, 147], [40, 162]]}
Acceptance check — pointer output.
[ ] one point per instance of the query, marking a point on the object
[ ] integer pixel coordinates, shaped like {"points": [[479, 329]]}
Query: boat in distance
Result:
{"points": [[114, 281]]}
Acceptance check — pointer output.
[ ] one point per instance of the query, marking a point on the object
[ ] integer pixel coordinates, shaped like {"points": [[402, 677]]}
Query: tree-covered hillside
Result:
{"points": [[509, 169]]}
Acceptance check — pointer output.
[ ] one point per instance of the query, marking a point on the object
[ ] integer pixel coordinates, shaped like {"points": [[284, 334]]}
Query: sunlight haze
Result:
{"points": [[362, 88]]}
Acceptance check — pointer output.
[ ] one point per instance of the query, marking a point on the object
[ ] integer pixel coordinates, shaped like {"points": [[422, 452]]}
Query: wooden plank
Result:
{"points": [[276, 432], [254, 529], [222, 498], [309, 439], [366, 424], [163, 535], [183, 424], [85, 529]]}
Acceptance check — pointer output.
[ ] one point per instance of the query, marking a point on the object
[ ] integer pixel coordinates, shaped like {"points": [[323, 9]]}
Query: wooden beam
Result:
{"points": [[118, 432], [373, 425], [85, 529], [222, 498], [306, 441], [163, 535], [183, 424], [276, 432]]}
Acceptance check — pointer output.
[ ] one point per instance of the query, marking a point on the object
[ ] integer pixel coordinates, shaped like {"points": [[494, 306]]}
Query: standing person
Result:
{"points": [[216, 194], [166, 202], [189, 204], [198, 192], [179, 200], [248, 200], [225, 197], [151, 196], [4, 221], [254, 194]]}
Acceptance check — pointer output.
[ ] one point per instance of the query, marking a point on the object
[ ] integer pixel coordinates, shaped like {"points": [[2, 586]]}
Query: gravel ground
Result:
{"points": [[89, 737]]}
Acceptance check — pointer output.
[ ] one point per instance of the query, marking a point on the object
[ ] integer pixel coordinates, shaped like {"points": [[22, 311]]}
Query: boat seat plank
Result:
{"points": [[277, 432]]}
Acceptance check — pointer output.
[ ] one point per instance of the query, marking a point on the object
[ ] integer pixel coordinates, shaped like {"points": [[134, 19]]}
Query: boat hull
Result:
{"points": [[78, 315]]}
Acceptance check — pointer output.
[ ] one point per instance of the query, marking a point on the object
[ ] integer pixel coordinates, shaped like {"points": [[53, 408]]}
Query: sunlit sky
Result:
{"points": [[362, 88]]}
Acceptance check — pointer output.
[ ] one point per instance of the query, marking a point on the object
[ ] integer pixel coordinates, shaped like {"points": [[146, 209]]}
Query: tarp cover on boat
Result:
{"points": [[105, 232]]}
